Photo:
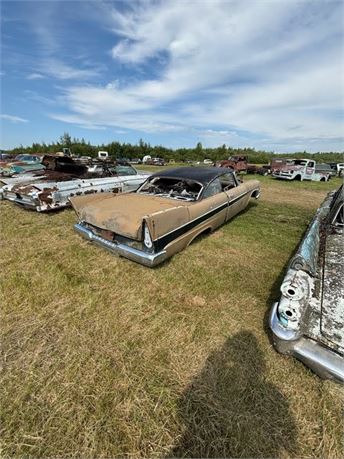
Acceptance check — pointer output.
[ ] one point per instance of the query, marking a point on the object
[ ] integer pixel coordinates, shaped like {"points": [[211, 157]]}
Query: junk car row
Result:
{"points": [[149, 218]]}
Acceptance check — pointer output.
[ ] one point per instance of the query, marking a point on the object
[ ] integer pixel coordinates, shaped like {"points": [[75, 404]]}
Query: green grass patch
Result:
{"points": [[102, 357]]}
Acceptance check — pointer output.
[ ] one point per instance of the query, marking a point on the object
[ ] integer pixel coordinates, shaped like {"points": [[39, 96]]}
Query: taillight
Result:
{"points": [[147, 240]]}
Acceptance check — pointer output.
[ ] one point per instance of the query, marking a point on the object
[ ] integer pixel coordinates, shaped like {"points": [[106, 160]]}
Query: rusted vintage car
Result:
{"points": [[20, 164], [52, 191], [165, 214], [237, 162], [308, 321]]}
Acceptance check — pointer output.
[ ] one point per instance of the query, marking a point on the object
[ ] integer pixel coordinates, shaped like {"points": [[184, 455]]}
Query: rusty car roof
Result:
{"points": [[203, 175]]}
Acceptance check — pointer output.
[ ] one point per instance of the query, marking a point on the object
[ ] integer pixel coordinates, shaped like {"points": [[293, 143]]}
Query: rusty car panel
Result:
{"points": [[165, 214], [308, 321], [47, 196]]}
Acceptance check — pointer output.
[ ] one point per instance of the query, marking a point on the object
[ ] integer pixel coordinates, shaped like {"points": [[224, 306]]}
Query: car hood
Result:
{"points": [[122, 214]]}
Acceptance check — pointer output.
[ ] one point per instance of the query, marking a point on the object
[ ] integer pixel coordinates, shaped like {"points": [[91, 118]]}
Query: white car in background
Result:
{"points": [[47, 195], [340, 169]]}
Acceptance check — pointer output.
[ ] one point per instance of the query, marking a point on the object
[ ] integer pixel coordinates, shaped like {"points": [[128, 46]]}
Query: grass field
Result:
{"points": [[102, 357]]}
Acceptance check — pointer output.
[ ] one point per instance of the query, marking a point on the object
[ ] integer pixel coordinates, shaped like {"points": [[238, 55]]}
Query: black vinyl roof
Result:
{"points": [[204, 175]]}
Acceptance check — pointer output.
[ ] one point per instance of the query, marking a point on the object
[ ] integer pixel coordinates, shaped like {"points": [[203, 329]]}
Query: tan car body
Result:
{"points": [[172, 224]]}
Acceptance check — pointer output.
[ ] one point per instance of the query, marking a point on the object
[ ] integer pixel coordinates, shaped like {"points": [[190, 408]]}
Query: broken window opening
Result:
{"points": [[181, 189]]}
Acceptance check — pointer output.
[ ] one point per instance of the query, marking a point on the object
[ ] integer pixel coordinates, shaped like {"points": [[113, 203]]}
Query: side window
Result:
{"points": [[213, 188], [125, 170], [227, 182], [311, 164]]}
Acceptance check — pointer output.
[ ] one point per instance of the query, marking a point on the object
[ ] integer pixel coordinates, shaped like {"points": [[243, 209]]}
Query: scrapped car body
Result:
{"points": [[308, 321], [301, 169], [21, 178], [21, 164], [20, 168], [44, 196], [237, 162], [165, 214], [277, 164]]}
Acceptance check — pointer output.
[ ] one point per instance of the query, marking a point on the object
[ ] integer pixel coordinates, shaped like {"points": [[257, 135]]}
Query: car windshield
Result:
{"points": [[26, 158], [299, 162], [175, 188]]}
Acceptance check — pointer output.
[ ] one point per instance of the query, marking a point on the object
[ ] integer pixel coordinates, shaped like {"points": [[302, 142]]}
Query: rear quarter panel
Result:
{"points": [[162, 222]]}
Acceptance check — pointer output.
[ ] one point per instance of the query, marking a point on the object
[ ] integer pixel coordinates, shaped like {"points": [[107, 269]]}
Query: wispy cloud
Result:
{"points": [[35, 76], [54, 59], [62, 71], [13, 119], [268, 68]]}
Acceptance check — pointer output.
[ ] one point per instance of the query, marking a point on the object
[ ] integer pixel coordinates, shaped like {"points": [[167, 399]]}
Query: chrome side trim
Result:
{"points": [[324, 362], [147, 259]]}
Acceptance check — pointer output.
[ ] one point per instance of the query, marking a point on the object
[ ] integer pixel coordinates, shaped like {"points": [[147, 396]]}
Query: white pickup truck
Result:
{"points": [[301, 169]]}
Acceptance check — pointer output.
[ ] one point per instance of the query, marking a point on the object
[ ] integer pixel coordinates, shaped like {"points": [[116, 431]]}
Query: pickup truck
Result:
{"points": [[240, 164], [237, 163], [338, 168], [301, 169]]}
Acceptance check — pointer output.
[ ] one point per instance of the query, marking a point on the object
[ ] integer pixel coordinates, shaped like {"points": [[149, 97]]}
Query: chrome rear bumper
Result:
{"points": [[324, 362], [146, 259]]}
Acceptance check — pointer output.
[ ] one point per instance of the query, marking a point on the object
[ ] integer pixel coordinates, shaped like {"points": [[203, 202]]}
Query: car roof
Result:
{"points": [[204, 175]]}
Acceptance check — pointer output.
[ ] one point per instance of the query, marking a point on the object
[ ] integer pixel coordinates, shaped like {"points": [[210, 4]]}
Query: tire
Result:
{"points": [[298, 178]]}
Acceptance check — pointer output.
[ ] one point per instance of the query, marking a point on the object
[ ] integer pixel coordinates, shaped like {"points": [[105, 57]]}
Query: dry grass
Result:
{"points": [[105, 358]]}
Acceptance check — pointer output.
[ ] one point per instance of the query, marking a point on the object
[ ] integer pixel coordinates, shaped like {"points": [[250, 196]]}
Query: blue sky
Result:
{"points": [[264, 74]]}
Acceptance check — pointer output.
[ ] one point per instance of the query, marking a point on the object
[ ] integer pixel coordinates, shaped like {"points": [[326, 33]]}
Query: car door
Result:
{"points": [[236, 194], [310, 169]]}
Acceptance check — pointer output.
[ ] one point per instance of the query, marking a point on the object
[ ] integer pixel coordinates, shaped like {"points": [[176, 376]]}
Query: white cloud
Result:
{"points": [[13, 119], [35, 76], [269, 69], [58, 69]]}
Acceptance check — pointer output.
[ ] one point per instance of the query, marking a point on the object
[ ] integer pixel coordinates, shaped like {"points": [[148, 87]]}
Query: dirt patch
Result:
{"points": [[198, 301], [277, 193]]}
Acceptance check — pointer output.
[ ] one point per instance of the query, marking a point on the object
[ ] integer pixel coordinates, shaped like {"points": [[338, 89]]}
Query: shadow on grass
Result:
{"points": [[229, 410]]}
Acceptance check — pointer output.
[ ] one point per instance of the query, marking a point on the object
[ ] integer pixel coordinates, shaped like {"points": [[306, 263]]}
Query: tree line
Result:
{"points": [[141, 149]]}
